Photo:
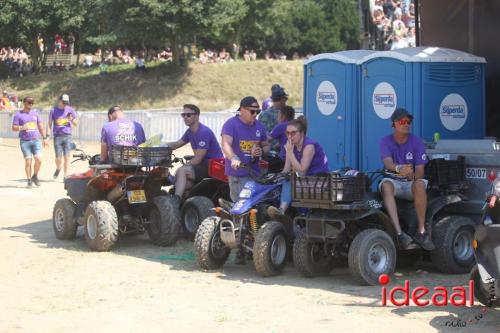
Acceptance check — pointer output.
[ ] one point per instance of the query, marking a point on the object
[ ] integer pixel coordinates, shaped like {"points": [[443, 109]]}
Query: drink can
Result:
{"points": [[437, 137]]}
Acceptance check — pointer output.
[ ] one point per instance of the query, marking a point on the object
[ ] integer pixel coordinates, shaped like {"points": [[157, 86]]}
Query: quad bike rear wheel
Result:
{"points": [[210, 251], [194, 211], [100, 226], [270, 249], [63, 219], [310, 258], [164, 227]]}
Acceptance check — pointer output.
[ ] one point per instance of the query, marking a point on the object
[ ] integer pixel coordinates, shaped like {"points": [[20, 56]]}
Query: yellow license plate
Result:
{"points": [[136, 196]]}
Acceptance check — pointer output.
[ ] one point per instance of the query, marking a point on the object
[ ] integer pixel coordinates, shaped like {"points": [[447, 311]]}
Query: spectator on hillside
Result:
{"points": [[246, 56], [87, 61], [58, 44], [98, 54], [71, 43], [140, 63]]}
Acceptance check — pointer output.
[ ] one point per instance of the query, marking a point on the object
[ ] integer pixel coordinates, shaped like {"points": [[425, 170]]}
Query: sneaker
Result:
{"points": [[240, 258], [424, 241], [56, 173], [274, 213], [30, 183], [35, 180], [404, 240]]}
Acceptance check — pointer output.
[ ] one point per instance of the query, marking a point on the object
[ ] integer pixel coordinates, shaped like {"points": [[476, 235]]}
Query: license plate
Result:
{"points": [[136, 196], [475, 173]]}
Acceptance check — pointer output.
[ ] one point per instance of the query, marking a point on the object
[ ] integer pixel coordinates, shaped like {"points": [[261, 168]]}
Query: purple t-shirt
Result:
{"points": [[204, 138], [279, 133], [319, 163], [122, 131], [31, 120], [244, 138], [411, 152], [61, 126]]}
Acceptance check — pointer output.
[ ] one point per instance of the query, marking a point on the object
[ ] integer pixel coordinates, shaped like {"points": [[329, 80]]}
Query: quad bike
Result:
{"points": [[346, 219], [119, 198], [245, 226], [486, 274]]}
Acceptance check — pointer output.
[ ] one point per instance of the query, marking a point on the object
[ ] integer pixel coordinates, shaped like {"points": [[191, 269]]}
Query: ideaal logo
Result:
{"points": [[455, 111], [386, 100], [327, 97]]}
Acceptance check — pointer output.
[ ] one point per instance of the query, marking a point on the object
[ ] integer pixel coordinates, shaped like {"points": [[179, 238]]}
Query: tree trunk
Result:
{"points": [[36, 55], [78, 38], [175, 49]]}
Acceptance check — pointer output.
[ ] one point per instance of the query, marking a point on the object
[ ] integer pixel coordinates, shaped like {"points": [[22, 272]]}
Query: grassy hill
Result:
{"points": [[211, 86]]}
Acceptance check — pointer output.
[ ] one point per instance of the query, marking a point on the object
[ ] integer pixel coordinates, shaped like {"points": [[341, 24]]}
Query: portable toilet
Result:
{"points": [[444, 89], [331, 104]]}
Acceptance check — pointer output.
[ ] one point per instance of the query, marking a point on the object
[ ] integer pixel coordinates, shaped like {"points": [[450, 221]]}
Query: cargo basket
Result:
{"points": [[140, 156], [442, 173], [328, 188], [216, 168]]}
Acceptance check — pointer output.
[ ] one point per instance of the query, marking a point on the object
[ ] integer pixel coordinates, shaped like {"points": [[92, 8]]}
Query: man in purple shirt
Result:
{"points": [[29, 125], [404, 154], [204, 145], [62, 119], [244, 140], [119, 131]]}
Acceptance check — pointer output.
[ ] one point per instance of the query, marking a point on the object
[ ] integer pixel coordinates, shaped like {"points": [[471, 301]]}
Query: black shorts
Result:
{"points": [[200, 172]]}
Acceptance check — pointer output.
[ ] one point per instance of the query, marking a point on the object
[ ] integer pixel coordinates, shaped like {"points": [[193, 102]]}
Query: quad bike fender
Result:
{"points": [[437, 204], [206, 187]]}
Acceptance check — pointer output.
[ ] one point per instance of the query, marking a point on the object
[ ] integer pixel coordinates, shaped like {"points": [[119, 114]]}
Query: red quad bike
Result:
{"points": [[119, 198]]}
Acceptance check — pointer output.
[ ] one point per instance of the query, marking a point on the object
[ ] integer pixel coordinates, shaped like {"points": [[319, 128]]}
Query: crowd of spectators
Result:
{"points": [[15, 60], [393, 24]]}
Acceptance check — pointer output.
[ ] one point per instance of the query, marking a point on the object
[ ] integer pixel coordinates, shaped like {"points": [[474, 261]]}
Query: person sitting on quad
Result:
{"points": [[204, 145], [304, 156], [404, 154], [119, 131], [278, 133], [244, 139]]}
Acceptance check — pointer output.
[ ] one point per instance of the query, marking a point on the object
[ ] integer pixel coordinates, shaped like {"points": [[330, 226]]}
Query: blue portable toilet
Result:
{"points": [[444, 89], [331, 104]]}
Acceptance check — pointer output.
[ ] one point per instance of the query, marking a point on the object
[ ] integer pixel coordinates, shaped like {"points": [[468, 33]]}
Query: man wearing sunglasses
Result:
{"points": [[119, 131], [404, 154], [204, 145], [29, 125], [244, 140]]}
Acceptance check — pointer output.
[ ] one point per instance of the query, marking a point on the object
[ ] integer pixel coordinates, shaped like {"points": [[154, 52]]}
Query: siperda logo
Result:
{"points": [[327, 97], [455, 111], [386, 100]]}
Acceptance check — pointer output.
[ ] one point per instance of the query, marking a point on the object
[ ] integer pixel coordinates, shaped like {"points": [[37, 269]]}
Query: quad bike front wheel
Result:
{"points": [[63, 219], [210, 251], [270, 249], [100, 226], [310, 258], [164, 227], [194, 211], [372, 253]]}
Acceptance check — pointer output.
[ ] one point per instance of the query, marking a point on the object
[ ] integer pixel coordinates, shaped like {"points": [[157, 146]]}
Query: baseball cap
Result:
{"points": [[400, 113], [64, 98], [278, 93], [275, 87], [248, 101]]}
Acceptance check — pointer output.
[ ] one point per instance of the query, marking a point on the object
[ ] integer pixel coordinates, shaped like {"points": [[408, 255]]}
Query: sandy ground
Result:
{"points": [[48, 285]]}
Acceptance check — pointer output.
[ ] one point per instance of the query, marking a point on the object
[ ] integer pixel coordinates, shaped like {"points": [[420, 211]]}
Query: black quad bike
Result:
{"points": [[486, 274], [123, 197], [346, 219]]}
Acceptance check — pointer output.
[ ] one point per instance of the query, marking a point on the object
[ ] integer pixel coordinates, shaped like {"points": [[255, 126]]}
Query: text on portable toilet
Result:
{"points": [[384, 100], [326, 98], [453, 112]]}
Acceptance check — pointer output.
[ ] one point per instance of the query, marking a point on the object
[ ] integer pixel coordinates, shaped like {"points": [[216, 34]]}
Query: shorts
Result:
{"points": [[402, 189], [62, 145], [200, 172], [31, 148], [236, 184]]}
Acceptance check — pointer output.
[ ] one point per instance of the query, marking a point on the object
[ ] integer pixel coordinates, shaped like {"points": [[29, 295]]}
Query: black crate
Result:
{"points": [[140, 156], [442, 173], [328, 188]]}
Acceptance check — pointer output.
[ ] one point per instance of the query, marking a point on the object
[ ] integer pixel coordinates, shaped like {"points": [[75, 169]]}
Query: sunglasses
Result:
{"points": [[187, 115], [254, 111], [404, 122], [29, 102], [291, 133]]}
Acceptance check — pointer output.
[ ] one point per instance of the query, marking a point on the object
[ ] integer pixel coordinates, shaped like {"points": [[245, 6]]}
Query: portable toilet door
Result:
{"points": [[385, 86], [331, 105]]}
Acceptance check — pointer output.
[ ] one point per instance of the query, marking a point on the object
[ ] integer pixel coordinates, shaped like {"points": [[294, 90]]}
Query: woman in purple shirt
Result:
{"points": [[304, 156]]}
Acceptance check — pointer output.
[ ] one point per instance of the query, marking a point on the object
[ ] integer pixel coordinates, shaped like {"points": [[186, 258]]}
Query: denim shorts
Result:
{"points": [[31, 147], [62, 145]]}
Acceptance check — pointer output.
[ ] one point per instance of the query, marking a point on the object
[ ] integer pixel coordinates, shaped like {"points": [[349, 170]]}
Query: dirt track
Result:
{"points": [[48, 285]]}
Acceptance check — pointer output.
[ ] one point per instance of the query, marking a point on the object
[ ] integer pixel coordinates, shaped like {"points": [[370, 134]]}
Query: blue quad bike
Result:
{"points": [[486, 273], [245, 226]]}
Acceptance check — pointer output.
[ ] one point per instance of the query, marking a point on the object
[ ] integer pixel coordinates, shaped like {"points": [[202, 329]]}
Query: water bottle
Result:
{"points": [[487, 220], [437, 137]]}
